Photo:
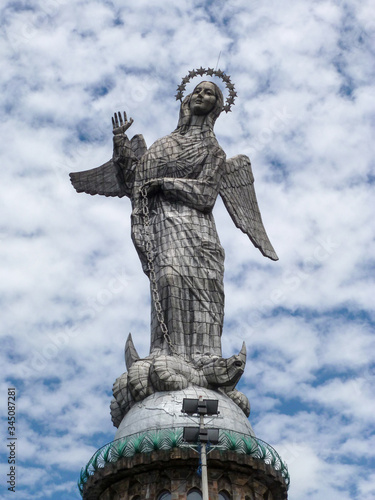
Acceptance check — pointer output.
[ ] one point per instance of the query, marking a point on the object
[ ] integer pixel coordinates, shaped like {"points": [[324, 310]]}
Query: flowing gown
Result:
{"points": [[188, 257]]}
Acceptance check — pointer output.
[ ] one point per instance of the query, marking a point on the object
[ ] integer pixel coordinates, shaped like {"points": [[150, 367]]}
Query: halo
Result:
{"points": [[210, 72]]}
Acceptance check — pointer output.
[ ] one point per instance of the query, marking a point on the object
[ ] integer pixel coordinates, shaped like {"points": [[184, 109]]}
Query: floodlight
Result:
{"points": [[190, 406], [191, 434], [200, 406], [209, 435], [211, 405]]}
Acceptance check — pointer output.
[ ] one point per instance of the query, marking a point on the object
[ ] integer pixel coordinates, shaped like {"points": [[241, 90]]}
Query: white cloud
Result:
{"points": [[71, 286]]}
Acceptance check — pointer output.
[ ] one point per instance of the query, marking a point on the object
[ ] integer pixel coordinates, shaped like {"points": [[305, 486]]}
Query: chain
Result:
{"points": [[152, 274]]}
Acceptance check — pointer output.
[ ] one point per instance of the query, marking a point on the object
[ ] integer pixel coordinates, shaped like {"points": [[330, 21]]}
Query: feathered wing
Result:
{"points": [[238, 193], [110, 179], [107, 180]]}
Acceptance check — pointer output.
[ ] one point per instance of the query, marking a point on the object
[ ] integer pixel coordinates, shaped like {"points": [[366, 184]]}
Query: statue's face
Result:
{"points": [[203, 98]]}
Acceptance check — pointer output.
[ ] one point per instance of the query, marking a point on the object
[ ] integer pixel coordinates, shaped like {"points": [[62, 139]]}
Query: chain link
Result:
{"points": [[152, 274]]}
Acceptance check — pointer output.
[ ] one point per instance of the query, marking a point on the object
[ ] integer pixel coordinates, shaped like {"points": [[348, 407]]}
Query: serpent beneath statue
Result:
{"points": [[172, 373]]}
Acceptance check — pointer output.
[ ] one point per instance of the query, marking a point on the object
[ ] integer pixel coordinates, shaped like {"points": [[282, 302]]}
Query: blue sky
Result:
{"points": [[71, 286]]}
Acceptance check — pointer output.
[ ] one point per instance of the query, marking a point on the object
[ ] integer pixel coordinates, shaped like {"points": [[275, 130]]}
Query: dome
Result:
{"points": [[162, 410]]}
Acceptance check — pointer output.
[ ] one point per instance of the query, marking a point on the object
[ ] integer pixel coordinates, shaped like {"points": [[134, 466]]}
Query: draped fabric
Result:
{"points": [[187, 255]]}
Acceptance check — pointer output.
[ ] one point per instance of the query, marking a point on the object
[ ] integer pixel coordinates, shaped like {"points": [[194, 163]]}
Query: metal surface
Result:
{"points": [[173, 187], [204, 472], [163, 411], [152, 275], [177, 180], [203, 458]]}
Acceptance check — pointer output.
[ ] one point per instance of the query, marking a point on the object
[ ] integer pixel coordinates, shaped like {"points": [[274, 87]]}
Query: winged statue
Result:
{"points": [[173, 186]]}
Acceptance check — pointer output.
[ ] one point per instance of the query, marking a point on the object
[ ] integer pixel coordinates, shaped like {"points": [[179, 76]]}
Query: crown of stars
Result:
{"points": [[210, 72]]}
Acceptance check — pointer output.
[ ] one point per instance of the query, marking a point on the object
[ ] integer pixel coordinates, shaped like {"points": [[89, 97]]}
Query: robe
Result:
{"points": [[187, 255]]}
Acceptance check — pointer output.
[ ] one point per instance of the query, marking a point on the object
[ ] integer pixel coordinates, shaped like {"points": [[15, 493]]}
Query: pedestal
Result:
{"points": [[149, 458]]}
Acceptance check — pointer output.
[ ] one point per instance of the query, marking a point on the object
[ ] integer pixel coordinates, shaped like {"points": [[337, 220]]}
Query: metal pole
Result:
{"points": [[204, 473], [204, 465]]}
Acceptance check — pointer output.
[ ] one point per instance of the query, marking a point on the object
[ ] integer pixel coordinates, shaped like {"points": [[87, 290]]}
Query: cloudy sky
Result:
{"points": [[71, 284]]}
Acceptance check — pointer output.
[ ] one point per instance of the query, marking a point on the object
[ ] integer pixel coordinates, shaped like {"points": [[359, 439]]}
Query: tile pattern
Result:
{"points": [[187, 255], [183, 174], [172, 373]]}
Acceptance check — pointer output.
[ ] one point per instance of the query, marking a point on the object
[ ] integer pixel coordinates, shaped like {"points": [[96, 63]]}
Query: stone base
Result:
{"points": [[146, 476]]}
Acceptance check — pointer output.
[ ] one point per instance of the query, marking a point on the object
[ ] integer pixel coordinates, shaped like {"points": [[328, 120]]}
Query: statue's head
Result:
{"points": [[203, 98], [206, 100]]}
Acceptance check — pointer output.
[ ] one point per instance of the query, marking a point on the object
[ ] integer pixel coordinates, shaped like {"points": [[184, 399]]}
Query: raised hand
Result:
{"points": [[119, 124]]}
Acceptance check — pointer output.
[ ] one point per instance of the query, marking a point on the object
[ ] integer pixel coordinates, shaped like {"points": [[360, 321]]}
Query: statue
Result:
{"points": [[173, 186]]}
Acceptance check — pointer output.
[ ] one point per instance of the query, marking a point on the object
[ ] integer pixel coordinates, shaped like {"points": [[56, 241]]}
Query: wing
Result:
{"points": [[110, 179], [238, 193], [107, 180]]}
